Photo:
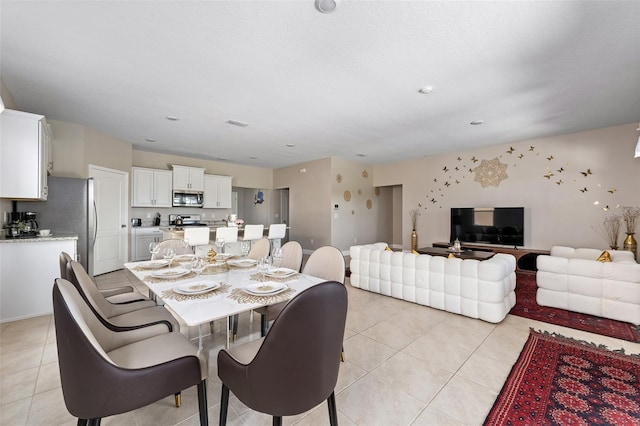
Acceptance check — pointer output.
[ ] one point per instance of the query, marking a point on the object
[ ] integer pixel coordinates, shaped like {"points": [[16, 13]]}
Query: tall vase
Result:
{"points": [[414, 240], [630, 244]]}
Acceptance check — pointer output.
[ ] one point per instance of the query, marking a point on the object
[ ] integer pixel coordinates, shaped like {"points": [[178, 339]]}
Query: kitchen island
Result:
{"points": [[28, 267]]}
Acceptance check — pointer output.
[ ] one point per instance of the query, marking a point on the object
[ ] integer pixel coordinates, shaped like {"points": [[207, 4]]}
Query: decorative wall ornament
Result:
{"points": [[339, 178], [377, 191], [365, 174], [347, 196], [490, 172], [359, 191], [369, 204]]}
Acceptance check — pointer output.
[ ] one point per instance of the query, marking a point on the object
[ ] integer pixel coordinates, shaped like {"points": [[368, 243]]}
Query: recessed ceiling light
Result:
{"points": [[222, 159], [426, 90], [238, 123], [477, 122], [289, 145], [172, 118], [150, 140], [253, 158], [361, 155], [326, 6]]}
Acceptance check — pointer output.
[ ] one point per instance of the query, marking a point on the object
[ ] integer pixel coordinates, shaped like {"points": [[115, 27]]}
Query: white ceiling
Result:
{"points": [[338, 84]]}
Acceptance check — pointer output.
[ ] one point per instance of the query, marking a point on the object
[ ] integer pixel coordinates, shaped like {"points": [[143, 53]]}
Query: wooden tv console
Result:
{"points": [[525, 258]]}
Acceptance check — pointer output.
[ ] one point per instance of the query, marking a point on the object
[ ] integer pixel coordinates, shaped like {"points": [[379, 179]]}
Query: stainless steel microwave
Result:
{"points": [[188, 199]]}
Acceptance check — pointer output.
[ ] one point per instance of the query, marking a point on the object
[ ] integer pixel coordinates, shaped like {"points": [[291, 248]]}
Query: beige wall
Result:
{"points": [[75, 147], [559, 210], [366, 216], [309, 201]]}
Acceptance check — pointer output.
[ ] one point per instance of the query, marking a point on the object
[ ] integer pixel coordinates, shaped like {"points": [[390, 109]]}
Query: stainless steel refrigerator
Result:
{"points": [[70, 208]]}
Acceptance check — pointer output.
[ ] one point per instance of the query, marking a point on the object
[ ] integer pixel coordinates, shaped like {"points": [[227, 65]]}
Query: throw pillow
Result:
{"points": [[604, 257], [387, 248], [414, 252]]}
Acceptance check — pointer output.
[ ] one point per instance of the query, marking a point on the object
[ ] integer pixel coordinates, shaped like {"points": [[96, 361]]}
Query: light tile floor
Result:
{"points": [[406, 365]]}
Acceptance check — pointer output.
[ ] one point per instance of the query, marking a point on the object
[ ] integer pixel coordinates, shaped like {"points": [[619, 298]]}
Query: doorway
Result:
{"points": [[111, 192]]}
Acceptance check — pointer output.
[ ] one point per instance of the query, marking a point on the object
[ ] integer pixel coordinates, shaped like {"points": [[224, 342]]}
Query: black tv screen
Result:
{"points": [[491, 225]]}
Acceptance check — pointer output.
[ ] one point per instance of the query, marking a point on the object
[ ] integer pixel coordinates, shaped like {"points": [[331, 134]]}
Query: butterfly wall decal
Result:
{"points": [[587, 173]]}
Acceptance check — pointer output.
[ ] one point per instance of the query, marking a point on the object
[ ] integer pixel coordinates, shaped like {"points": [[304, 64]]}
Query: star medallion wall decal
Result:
{"points": [[490, 172]]}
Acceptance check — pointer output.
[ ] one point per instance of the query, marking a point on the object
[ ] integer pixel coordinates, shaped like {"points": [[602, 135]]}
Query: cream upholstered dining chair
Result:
{"points": [[295, 367], [130, 314], [260, 249], [106, 372], [64, 259], [198, 238], [325, 262], [179, 247]]}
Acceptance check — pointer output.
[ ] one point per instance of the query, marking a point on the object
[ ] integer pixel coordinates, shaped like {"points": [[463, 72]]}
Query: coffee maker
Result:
{"points": [[30, 223], [22, 224]]}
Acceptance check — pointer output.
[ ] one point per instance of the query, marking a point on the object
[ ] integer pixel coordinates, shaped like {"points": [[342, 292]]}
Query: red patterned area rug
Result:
{"points": [[526, 306], [559, 381]]}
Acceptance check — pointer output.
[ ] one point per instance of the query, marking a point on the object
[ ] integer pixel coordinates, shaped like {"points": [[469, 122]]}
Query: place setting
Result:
{"points": [[197, 290], [262, 292]]}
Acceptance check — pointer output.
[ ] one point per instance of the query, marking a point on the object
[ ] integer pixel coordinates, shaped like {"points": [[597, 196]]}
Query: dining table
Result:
{"points": [[221, 291]]}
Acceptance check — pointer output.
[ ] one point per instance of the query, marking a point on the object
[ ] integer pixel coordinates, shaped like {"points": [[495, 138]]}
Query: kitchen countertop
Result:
{"points": [[38, 239]]}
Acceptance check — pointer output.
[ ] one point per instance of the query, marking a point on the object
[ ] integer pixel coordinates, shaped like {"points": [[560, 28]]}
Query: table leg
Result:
{"points": [[228, 331], [200, 336]]}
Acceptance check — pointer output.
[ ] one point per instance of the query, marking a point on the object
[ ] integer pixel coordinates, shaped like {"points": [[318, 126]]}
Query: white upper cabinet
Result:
{"points": [[217, 192], [151, 188], [25, 140], [188, 178]]}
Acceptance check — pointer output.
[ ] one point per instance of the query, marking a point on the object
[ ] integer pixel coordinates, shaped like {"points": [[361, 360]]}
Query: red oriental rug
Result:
{"points": [[527, 307], [559, 381]]}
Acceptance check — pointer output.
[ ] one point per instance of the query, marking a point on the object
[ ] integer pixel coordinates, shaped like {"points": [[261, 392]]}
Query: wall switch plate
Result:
{"points": [[148, 215]]}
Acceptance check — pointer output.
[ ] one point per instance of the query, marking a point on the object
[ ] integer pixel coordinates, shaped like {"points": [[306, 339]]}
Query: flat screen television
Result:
{"points": [[490, 225]]}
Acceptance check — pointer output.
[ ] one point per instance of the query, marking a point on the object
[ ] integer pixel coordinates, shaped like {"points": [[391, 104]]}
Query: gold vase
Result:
{"points": [[414, 241], [630, 244]]}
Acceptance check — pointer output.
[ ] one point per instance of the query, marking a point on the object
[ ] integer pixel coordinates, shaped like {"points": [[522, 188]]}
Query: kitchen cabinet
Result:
{"points": [[140, 240], [28, 269], [151, 188], [188, 178], [217, 192], [25, 142]]}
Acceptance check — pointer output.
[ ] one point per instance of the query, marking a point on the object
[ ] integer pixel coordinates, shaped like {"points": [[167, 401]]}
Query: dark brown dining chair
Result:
{"points": [[295, 367], [106, 292], [105, 372]]}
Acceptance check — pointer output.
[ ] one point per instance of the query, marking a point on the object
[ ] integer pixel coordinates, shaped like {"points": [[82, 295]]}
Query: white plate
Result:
{"points": [[280, 272], [170, 273], [265, 289], [157, 264], [243, 263], [196, 288], [223, 256]]}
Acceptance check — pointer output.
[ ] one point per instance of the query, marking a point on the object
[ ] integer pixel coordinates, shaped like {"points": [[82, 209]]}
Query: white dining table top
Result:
{"points": [[196, 311]]}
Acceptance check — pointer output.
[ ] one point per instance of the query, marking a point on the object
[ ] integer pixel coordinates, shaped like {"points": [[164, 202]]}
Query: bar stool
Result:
{"points": [[228, 233], [198, 238], [276, 233], [252, 233]]}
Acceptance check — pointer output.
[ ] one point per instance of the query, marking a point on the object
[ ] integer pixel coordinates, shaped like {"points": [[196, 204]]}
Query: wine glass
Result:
{"points": [[245, 246], [154, 249], [168, 254], [277, 256], [220, 244], [198, 265]]}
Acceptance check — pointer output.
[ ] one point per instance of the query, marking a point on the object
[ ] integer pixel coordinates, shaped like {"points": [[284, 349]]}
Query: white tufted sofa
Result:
{"points": [[477, 289], [574, 280]]}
